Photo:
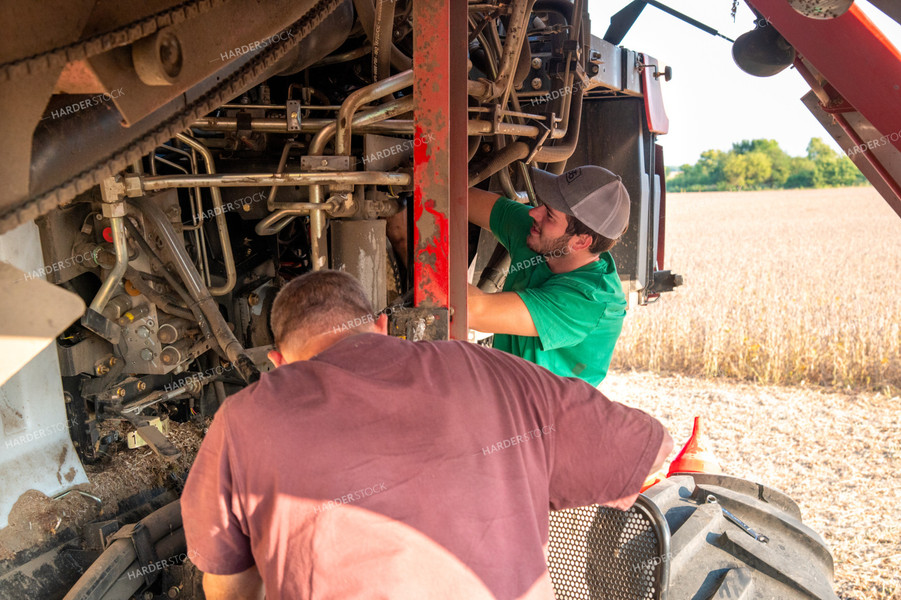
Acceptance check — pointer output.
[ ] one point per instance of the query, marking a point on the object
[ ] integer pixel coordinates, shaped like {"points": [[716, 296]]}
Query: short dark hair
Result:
{"points": [[315, 303], [599, 243]]}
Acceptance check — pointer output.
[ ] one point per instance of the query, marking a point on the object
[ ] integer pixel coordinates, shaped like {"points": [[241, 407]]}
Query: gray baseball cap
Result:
{"points": [[591, 194]]}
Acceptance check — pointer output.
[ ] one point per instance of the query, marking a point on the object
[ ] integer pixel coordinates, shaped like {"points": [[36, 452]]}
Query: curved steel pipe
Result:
{"points": [[342, 129], [120, 244], [228, 258], [562, 151], [364, 119], [358, 98], [278, 220]]}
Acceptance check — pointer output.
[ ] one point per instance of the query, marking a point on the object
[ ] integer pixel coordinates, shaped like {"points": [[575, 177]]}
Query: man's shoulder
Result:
{"points": [[593, 279], [509, 204], [459, 355], [507, 214]]}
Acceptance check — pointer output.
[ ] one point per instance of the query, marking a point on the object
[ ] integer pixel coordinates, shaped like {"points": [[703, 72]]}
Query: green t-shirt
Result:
{"points": [[578, 315]]}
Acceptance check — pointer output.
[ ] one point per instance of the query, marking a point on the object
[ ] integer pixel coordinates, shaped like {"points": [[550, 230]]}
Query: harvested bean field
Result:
{"points": [[786, 338]]}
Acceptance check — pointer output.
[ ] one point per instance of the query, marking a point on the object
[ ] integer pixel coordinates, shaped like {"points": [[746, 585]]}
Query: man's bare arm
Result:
{"points": [[666, 446], [480, 205], [240, 586], [504, 312]]}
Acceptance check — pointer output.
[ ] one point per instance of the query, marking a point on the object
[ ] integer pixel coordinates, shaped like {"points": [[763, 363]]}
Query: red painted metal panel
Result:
{"points": [[837, 106], [658, 122], [852, 54], [440, 164]]}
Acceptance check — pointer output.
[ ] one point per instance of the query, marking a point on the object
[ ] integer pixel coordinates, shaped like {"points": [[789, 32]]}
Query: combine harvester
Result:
{"points": [[168, 165]]}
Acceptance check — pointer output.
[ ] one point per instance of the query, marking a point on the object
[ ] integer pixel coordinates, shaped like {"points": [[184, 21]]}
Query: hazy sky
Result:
{"points": [[711, 103]]}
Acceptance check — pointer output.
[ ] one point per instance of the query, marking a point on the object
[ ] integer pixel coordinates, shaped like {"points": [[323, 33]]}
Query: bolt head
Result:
{"points": [[120, 392], [536, 83], [141, 386], [536, 63]]}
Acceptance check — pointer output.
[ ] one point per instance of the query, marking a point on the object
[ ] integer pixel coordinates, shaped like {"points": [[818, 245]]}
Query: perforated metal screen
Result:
{"points": [[603, 553]]}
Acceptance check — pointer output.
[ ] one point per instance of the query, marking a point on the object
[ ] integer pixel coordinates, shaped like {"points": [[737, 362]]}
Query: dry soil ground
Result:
{"points": [[836, 454]]}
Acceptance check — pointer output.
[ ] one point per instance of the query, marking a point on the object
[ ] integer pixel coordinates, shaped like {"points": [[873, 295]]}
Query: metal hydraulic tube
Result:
{"points": [[364, 119], [277, 221], [352, 104], [401, 126], [306, 126], [256, 179], [115, 275], [111, 190], [221, 224], [562, 151], [342, 130]]}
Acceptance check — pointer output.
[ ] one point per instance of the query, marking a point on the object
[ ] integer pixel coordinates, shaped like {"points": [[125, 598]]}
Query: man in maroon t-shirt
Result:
{"points": [[367, 466]]}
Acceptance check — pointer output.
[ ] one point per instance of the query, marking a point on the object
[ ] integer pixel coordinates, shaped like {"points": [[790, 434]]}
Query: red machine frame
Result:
{"points": [[440, 165]]}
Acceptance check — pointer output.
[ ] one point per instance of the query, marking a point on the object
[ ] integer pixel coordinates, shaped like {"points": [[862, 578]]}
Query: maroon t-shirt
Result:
{"points": [[383, 468]]}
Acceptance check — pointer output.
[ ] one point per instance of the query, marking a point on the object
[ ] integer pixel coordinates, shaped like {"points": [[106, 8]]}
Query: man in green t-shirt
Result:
{"points": [[562, 305]]}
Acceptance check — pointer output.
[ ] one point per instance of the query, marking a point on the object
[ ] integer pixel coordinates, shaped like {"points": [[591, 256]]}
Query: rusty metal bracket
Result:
{"points": [[292, 115], [418, 324]]}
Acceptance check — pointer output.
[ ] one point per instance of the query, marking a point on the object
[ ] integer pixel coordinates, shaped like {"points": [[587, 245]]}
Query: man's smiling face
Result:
{"points": [[548, 233]]}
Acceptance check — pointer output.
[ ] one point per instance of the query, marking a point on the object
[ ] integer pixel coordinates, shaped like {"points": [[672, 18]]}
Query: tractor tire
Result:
{"points": [[678, 543], [713, 557]]}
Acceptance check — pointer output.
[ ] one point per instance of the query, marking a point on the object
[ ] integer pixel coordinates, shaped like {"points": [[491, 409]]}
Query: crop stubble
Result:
{"points": [[785, 287], [798, 289]]}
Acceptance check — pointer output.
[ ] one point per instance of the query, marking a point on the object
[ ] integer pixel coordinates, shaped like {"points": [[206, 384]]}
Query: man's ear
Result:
{"points": [[381, 324], [580, 242], [276, 357]]}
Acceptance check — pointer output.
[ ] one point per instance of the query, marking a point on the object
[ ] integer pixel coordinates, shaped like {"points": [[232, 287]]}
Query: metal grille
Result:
{"points": [[602, 553]]}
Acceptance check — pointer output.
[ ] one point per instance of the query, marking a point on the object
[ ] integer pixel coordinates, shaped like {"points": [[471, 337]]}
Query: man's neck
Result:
{"points": [[322, 342], [571, 261]]}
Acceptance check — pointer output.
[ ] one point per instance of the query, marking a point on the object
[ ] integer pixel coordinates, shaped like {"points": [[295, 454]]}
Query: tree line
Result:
{"points": [[763, 165]]}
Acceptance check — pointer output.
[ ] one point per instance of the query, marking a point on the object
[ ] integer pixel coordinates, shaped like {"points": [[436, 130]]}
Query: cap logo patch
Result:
{"points": [[573, 175]]}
